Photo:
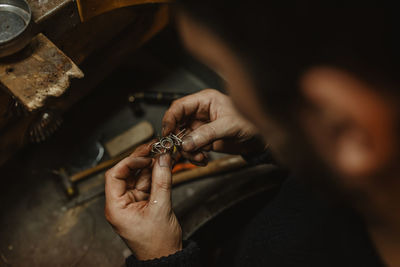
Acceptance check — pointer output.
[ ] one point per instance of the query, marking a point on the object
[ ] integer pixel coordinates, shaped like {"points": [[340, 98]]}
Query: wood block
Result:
{"points": [[135, 135], [44, 74]]}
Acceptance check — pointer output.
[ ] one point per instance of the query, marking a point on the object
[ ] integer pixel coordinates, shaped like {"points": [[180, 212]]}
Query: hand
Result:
{"points": [[138, 204], [214, 124]]}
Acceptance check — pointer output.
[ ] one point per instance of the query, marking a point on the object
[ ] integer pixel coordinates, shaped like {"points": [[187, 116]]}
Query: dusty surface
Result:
{"points": [[47, 73]]}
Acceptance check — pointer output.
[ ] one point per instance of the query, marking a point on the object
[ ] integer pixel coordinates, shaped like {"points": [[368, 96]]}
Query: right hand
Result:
{"points": [[213, 123]]}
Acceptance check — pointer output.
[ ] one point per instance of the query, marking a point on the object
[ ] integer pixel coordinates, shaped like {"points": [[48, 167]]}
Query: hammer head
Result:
{"points": [[66, 183]]}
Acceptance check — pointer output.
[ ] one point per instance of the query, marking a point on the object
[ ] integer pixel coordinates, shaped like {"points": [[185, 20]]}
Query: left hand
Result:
{"points": [[138, 204]]}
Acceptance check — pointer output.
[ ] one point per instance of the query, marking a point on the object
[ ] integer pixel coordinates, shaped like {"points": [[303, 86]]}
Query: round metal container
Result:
{"points": [[15, 26]]}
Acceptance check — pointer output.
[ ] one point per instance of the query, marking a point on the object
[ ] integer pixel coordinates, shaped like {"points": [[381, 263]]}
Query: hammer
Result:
{"points": [[118, 148], [68, 182]]}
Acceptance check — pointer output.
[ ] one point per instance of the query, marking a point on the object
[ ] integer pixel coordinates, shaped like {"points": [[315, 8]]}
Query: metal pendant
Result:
{"points": [[168, 143]]}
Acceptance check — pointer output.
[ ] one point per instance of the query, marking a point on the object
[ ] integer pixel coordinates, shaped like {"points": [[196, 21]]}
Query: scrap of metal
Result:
{"points": [[43, 126], [46, 73], [169, 144]]}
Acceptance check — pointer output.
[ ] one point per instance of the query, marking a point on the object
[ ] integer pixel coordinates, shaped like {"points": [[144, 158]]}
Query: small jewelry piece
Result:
{"points": [[168, 143]]}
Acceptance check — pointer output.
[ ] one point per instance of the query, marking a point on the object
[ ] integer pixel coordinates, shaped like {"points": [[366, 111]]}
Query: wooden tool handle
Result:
{"points": [[98, 168], [119, 147], [221, 165]]}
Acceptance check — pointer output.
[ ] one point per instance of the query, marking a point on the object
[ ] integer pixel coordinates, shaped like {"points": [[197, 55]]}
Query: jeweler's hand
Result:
{"points": [[138, 204], [214, 124]]}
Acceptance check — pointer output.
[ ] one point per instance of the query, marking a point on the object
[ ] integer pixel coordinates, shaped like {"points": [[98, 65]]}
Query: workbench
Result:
{"points": [[64, 61]]}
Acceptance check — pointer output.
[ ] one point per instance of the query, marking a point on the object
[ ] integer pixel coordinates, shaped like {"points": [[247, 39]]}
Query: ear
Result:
{"points": [[349, 124]]}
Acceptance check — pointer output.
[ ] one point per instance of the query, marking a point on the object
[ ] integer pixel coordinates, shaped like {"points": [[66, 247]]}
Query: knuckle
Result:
{"points": [[212, 93], [108, 174], [210, 132], [209, 91], [175, 104], [108, 215], [163, 185], [139, 151], [167, 113]]}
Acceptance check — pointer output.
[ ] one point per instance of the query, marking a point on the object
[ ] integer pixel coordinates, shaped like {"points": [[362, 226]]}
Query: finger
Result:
{"points": [[198, 158], [194, 124], [179, 110], [161, 182], [205, 135], [144, 180], [207, 148], [142, 150], [201, 157], [139, 195], [115, 182]]}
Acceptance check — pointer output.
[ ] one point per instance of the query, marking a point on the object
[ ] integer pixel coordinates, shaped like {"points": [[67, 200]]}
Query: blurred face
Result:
{"points": [[212, 51], [349, 127]]}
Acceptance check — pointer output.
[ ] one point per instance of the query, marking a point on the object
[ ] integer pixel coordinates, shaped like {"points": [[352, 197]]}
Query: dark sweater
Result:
{"points": [[294, 229]]}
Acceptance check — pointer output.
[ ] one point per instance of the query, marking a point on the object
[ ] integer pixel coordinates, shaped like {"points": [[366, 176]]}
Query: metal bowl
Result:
{"points": [[15, 26]]}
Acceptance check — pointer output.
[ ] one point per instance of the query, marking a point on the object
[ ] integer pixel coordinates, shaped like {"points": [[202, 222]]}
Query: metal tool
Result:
{"points": [[152, 97], [155, 96], [44, 126], [15, 26], [68, 181], [119, 147]]}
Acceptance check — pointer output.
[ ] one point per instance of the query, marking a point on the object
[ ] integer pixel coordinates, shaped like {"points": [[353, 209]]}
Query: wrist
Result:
{"points": [[189, 255], [154, 252]]}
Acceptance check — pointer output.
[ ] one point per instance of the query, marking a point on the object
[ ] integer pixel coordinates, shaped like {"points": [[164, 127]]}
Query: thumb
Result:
{"points": [[161, 181], [204, 135]]}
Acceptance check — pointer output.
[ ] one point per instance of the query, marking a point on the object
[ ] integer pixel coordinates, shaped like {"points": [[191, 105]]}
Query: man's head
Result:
{"points": [[319, 79]]}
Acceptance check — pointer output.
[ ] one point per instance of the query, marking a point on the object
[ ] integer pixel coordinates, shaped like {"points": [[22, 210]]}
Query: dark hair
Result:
{"points": [[279, 42]]}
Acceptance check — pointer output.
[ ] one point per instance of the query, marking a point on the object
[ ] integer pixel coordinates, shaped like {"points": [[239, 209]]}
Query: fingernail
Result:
{"points": [[164, 130], [199, 157], [188, 143], [164, 160]]}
